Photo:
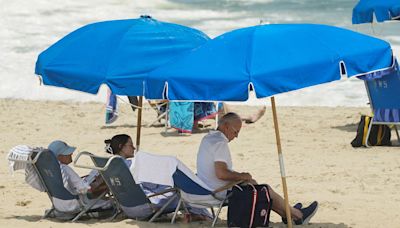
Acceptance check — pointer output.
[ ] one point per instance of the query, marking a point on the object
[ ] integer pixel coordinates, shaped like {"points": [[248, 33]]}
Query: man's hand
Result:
{"points": [[246, 177], [253, 182]]}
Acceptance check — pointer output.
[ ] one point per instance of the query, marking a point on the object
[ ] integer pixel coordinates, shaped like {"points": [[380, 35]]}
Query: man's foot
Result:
{"points": [[308, 213], [297, 206]]}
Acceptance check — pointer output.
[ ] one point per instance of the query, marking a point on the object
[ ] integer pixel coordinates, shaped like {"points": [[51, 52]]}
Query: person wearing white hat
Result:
{"points": [[72, 181], [63, 152]]}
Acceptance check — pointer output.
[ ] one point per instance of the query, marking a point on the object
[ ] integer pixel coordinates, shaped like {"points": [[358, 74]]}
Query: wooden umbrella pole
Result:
{"points": [[139, 123], [281, 164]]}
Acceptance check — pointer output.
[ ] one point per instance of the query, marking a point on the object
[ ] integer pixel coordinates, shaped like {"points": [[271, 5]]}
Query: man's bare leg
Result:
{"points": [[278, 205], [253, 118], [247, 119]]}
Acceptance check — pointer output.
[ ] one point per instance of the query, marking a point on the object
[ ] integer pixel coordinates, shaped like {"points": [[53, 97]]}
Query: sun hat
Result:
{"points": [[59, 147]]}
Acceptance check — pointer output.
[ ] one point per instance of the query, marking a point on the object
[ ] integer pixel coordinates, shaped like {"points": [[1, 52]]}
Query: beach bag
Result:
{"points": [[379, 135], [249, 206]]}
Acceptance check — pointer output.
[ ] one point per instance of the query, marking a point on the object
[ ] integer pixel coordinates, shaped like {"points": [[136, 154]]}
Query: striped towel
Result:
{"points": [[65, 179], [111, 107], [22, 153]]}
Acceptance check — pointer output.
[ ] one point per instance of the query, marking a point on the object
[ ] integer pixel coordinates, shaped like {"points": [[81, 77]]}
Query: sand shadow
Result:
{"points": [[348, 127], [223, 223], [312, 225], [163, 222], [85, 219], [119, 126], [156, 125], [176, 133], [28, 218]]}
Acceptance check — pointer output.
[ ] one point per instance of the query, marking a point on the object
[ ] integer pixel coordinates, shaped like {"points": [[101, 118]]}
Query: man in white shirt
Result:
{"points": [[214, 166]]}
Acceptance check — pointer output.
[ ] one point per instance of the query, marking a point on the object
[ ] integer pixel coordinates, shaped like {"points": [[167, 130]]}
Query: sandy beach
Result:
{"points": [[355, 187]]}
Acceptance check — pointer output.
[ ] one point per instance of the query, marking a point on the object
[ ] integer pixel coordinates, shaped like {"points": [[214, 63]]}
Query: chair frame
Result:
{"points": [[117, 204], [222, 201], [164, 115]]}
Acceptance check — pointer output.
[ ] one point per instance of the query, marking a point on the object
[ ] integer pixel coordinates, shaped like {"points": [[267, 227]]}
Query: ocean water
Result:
{"points": [[29, 27]]}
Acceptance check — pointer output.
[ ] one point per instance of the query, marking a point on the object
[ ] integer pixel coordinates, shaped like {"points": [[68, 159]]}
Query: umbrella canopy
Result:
{"points": [[118, 53], [384, 10], [271, 59]]}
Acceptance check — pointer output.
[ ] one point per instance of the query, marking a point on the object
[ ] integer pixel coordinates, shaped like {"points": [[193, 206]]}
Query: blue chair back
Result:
{"points": [[120, 182], [50, 172], [384, 94], [184, 183]]}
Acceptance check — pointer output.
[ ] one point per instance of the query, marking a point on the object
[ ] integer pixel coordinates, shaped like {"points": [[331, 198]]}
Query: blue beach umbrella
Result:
{"points": [[270, 59], [384, 10], [117, 53]]}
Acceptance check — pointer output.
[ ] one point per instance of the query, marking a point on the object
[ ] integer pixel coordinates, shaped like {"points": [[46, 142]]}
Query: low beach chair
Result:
{"points": [[48, 170], [191, 190], [384, 94], [195, 193], [128, 196]]}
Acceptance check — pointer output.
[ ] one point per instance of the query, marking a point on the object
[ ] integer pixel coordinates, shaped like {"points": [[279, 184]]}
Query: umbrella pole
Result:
{"points": [[139, 122], [281, 164]]}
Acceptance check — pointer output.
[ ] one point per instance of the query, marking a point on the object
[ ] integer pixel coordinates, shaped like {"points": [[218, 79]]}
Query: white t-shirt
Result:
{"points": [[213, 148]]}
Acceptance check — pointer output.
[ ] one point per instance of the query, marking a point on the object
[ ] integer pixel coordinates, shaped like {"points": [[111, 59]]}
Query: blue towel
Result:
{"points": [[111, 108], [204, 110], [181, 116]]}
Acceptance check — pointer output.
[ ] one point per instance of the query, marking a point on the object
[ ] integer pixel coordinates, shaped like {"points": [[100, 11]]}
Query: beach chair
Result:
{"points": [[48, 170], [192, 191], [384, 97], [162, 109], [195, 193], [128, 195]]}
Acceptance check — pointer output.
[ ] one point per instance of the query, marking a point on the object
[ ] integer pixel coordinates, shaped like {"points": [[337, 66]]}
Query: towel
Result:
{"points": [[111, 107], [153, 168], [189, 173], [21, 154], [181, 116], [204, 110]]}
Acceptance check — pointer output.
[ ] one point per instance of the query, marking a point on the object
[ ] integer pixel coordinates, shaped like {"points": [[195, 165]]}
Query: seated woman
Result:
{"points": [[122, 145]]}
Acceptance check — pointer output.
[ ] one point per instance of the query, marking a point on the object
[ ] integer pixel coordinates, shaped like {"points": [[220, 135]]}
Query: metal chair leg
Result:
{"points": [[369, 131], [176, 211], [212, 212], [397, 133], [87, 207], [219, 211], [48, 212], [161, 210]]}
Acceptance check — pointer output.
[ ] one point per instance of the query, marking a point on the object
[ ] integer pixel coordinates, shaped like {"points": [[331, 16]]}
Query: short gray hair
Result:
{"points": [[228, 118]]}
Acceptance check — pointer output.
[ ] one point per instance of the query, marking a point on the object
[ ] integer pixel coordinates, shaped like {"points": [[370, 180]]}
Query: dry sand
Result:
{"points": [[355, 187]]}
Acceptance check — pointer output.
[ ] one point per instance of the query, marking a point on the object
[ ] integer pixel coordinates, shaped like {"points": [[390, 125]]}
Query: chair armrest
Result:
{"points": [[227, 186], [223, 188], [163, 192], [84, 153]]}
